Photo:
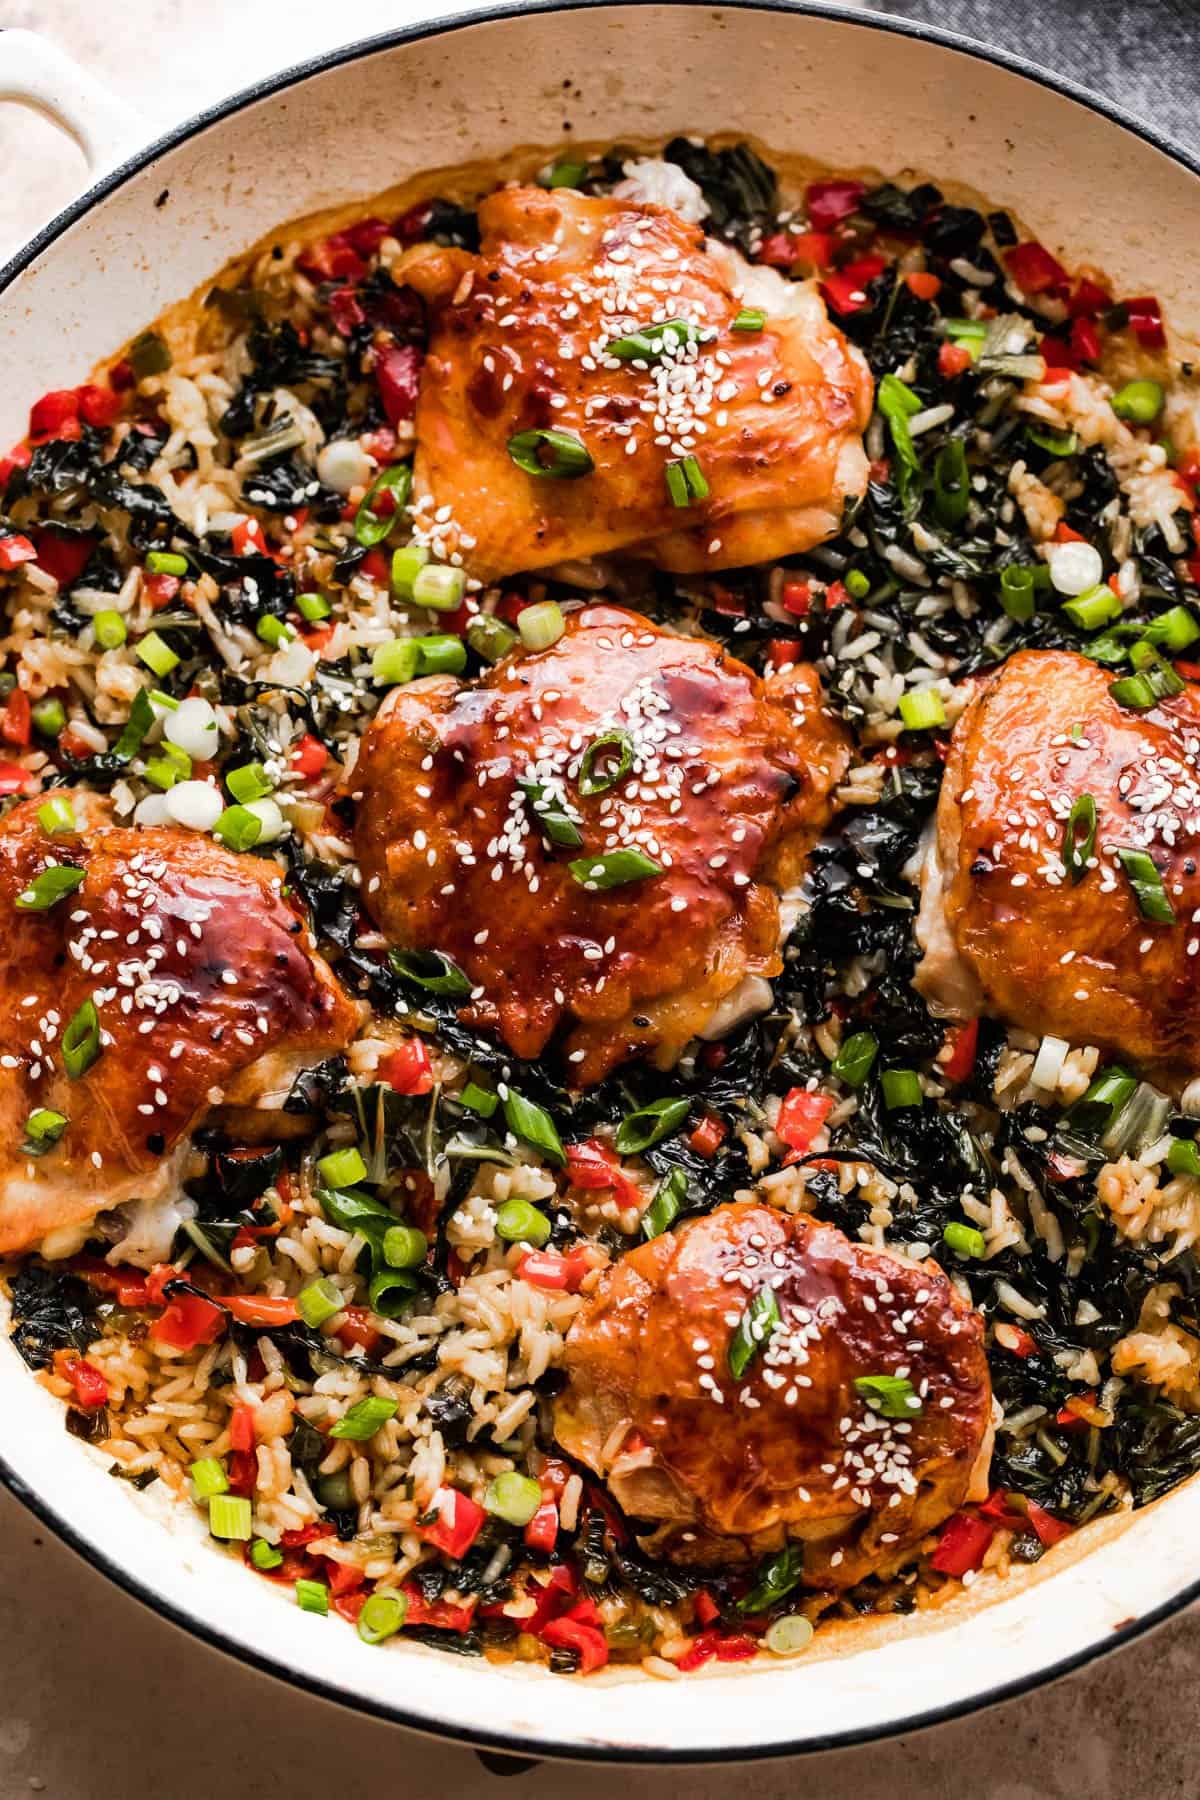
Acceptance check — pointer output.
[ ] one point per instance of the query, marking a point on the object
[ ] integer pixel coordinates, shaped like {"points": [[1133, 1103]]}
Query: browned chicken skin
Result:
{"points": [[518, 341], [729, 784], [207, 989], [1004, 928], [729, 1466]]}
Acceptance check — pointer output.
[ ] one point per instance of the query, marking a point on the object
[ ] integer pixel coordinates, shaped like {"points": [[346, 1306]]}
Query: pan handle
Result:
{"points": [[38, 74]]}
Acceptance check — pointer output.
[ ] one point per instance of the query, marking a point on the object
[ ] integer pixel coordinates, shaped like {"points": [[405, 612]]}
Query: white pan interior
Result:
{"points": [[1094, 192]]}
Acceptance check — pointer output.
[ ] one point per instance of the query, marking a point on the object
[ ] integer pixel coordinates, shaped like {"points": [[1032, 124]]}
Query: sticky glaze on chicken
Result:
{"points": [[207, 990], [1004, 927], [728, 782], [518, 341], [722, 1466]]}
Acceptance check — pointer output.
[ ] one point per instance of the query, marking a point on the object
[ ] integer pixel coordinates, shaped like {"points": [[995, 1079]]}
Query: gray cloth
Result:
{"points": [[1144, 54]]}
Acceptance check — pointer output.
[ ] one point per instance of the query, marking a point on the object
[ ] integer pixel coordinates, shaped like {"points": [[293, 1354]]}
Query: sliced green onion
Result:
{"points": [[491, 638], [265, 1556], [362, 1420], [81, 1040], [208, 1478], [431, 970], [1164, 682], [370, 527], [533, 1125], [1017, 595], [313, 607], [229, 1517], [273, 632], [390, 1292], [356, 1210], [852, 1064], [249, 781], [760, 1318], [593, 780], [1183, 1158], [171, 766], [148, 355], [790, 1635], [479, 1100], [1077, 849], [751, 318], [440, 654], [541, 625], [1135, 692], [922, 710], [666, 1205], [49, 718], [551, 814], [394, 663], [551, 454], [971, 333], [650, 1124], [141, 718], [892, 1395], [1147, 885], [49, 887], [901, 1087], [166, 562], [513, 1498], [44, 1126], [407, 563], [57, 814], [567, 173], [897, 403], [951, 483], [319, 1301], [238, 828], [613, 868], [775, 1578], [1107, 1096], [342, 1168], [964, 1239], [382, 1615], [649, 343], [857, 585], [1094, 608], [109, 629], [163, 702], [156, 653], [404, 1247], [1175, 629], [1054, 443], [686, 483], [1138, 402], [520, 1222], [439, 587], [313, 1597]]}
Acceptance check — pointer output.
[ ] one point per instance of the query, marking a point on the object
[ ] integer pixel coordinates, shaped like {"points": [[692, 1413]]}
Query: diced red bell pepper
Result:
{"points": [[1146, 322], [595, 1167], [398, 377], [15, 550], [48, 415], [781, 653], [796, 598], [247, 538], [459, 1522], [1085, 340], [375, 566], [846, 289], [1049, 1529], [708, 1135], [299, 1535], [801, 1117], [75, 744], [309, 756], [1088, 299], [705, 1607], [1035, 271], [332, 259], [569, 1634], [160, 590], [958, 1052], [121, 376], [552, 1596], [348, 1606], [97, 406], [1016, 1340], [345, 311], [241, 1428], [242, 1472], [923, 284], [358, 1328], [16, 721], [411, 224], [836, 594], [13, 779], [1001, 1510], [367, 235], [736, 1648], [91, 1389], [408, 1069], [189, 1320], [128, 1285], [547, 1269], [541, 1533], [1058, 353], [827, 203], [263, 1310], [953, 360], [963, 1544], [703, 1649], [1067, 534], [789, 249], [344, 1578], [65, 555]]}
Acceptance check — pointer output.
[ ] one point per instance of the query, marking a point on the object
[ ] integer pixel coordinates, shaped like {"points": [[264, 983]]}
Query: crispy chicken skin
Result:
{"points": [[207, 988], [1004, 929], [727, 1467], [517, 341], [729, 785]]}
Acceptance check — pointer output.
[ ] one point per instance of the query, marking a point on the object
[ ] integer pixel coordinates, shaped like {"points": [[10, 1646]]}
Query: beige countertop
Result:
{"points": [[99, 1697]]}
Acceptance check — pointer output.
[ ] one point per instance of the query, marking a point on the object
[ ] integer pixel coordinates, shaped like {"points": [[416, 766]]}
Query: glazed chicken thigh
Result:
{"points": [[520, 341], [1017, 919], [497, 819], [206, 991], [726, 1465]]}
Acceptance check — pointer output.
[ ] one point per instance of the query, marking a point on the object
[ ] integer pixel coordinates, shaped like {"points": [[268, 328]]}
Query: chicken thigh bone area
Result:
{"points": [[632, 741], [521, 340]]}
